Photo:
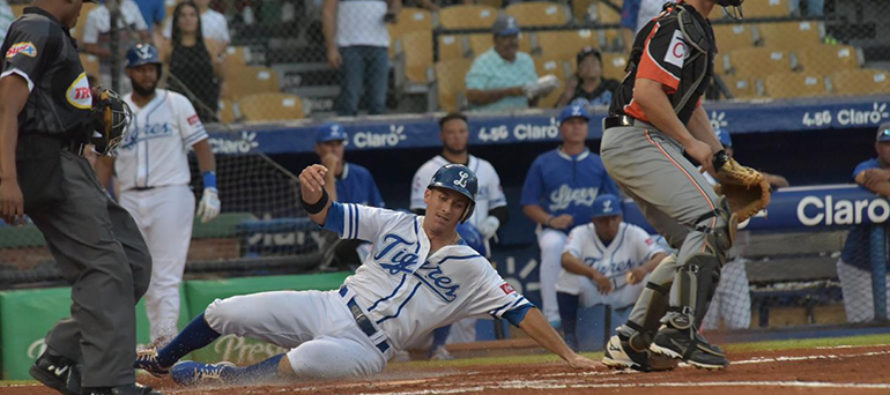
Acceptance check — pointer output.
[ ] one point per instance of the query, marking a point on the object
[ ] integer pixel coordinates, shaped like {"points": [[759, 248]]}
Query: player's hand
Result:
{"points": [[635, 275], [331, 161], [702, 153], [12, 203], [603, 284], [580, 362], [312, 182], [209, 207], [334, 58], [563, 221]]}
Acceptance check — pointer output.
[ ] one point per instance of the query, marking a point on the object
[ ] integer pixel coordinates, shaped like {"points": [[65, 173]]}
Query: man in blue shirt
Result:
{"points": [[558, 193], [854, 267]]}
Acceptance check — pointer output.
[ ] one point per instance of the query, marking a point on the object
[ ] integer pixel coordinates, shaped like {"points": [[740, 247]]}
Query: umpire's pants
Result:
{"points": [[102, 254]]}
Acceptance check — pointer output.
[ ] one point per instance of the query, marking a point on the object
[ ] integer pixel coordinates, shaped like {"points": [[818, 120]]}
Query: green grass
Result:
{"points": [[7, 383]]}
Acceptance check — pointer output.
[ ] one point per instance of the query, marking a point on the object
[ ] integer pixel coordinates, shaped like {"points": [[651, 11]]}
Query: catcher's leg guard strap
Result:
{"points": [[651, 304], [693, 289], [719, 226]]}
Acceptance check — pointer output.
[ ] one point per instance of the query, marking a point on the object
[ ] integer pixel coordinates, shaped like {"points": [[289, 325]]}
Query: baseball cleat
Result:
{"points": [[441, 354], [690, 346], [620, 355], [147, 360], [52, 371], [194, 373]]}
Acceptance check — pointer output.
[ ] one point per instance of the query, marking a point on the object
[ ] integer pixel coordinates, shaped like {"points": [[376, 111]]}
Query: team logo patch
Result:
{"points": [[507, 288], [462, 182], [25, 48], [677, 50], [194, 120], [78, 93], [649, 241]]}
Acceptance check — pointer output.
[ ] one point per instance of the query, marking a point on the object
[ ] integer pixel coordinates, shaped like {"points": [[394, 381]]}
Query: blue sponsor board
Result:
{"points": [[413, 131]]}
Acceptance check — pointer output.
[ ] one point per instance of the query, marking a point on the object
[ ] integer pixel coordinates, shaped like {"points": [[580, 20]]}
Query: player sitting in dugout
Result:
{"points": [[422, 275]]}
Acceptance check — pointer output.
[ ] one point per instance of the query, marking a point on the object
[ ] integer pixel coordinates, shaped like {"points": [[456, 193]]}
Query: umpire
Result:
{"points": [[45, 119]]}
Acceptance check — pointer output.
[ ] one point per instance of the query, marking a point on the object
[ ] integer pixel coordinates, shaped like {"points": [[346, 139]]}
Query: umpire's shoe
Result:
{"points": [[195, 373], [130, 389], [621, 355], [53, 372], [147, 360], [690, 346]]}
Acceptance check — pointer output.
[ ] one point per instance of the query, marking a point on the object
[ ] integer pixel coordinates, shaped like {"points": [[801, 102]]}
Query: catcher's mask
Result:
{"points": [[111, 116], [733, 8]]}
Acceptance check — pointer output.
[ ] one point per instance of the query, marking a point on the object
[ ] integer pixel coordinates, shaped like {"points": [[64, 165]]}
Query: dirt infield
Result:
{"points": [[833, 370]]}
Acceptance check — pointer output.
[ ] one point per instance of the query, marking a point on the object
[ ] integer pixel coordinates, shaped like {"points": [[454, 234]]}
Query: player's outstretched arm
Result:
{"points": [[536, 326], [312, 180]]}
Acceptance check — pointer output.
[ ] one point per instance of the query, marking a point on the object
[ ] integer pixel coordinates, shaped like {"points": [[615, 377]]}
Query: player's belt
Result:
{"points": [[619, 121], [363, 322]]}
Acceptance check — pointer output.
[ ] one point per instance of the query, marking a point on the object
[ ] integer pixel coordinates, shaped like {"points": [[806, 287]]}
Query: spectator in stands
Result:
{"points": [[814, 8], [854, 266], [348, 183], [635, 14], [558, 193], [588, 87], [97, 38], [503, 78], [213, 24], [6, 18], [154, 12], [604, 262], [357, 44], [195, 62]]}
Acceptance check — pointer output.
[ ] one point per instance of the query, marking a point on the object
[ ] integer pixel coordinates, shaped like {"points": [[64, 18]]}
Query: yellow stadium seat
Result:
{"points": [[491, 3], [741, 88], [565, 44], [790, 35], [561, 69], [468, 16], [226, 111], [249, 80], [237, 57], [453, 47], [614, 64], [481, 42], [789, 85], [584, 10], [766, 8], [417, 52], [733, 36], [824, 59], [451, 83], [607, 15], [90, 64], [77, 31], [860, 82], [410, 20], [539, 13], [758, 62], [271, 107], [721, 64]]}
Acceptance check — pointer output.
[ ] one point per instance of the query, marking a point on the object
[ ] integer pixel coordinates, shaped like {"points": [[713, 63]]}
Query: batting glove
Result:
{"points": [[489, 227], [208, 209]]}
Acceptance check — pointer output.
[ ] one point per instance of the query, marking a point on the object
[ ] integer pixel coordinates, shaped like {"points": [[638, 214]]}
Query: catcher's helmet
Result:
{"points": [[141, 54], [457, 178]]}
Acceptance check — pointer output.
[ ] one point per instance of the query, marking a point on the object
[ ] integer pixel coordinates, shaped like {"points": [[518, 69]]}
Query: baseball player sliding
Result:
{"points": [[422, 276], [152, 171]]}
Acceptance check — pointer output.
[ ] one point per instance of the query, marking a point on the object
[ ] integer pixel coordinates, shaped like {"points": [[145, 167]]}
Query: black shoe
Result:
{"points": [[53, 372], [130, 389], [690, 346], [621, 355]]}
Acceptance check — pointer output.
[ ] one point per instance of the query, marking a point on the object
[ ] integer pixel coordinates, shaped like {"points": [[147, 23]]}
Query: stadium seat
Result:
{"points": [[607, 15], [539, 13], [766, 8], [468, 16], [584, 10], [561, 69], [611, 39], [416, 55], [226, 111], [733, 36], [249, 80], [236, 57], [271, 107], [860, 82], [410, 20], [90, 64], [481, 42], [451, 83], [824, 59], [789, 85], [77, 31], [741, 88], [453, 47], [758, 62], [790, 35], [565, 44], [491, 3], [614, 64]]}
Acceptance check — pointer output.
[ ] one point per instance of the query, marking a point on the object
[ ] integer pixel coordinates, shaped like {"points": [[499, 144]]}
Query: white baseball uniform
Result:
{"points": [[631, 248], [489, 195], [152, 171], [403, 293]]}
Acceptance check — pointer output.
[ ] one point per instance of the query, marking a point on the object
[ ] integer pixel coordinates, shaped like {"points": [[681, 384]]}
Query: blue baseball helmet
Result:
{"points": [[141, 54], [473, 238], [457, 178]]}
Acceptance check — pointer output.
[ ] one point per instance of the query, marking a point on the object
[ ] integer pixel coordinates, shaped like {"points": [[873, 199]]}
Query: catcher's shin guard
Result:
{"points": [[651, 305], [694, 286]]}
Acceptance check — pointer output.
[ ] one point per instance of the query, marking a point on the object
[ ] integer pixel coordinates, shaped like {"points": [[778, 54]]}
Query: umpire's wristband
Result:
{"points": [[315, 208]]}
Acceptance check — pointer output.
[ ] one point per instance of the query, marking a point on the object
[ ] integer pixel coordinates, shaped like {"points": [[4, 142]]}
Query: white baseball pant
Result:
{"points": [[551, 243], [857, 290], [732, 298]]}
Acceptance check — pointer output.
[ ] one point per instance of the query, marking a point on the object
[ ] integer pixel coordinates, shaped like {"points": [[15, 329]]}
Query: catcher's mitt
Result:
{"points": [[110, 117], [746, 189]]}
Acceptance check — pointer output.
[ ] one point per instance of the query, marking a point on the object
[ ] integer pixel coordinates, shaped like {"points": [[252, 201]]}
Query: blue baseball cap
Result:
{"points": [[605, 205], [723, 136], [574, 111], [883, 132], [329, 132]]}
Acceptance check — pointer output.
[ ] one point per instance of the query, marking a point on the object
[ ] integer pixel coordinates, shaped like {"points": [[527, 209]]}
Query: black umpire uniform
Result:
{"points": [[95, 242]]}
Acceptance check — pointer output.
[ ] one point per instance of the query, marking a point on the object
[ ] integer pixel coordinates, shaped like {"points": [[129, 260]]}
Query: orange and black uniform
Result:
{"points": [[661, 53]]}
